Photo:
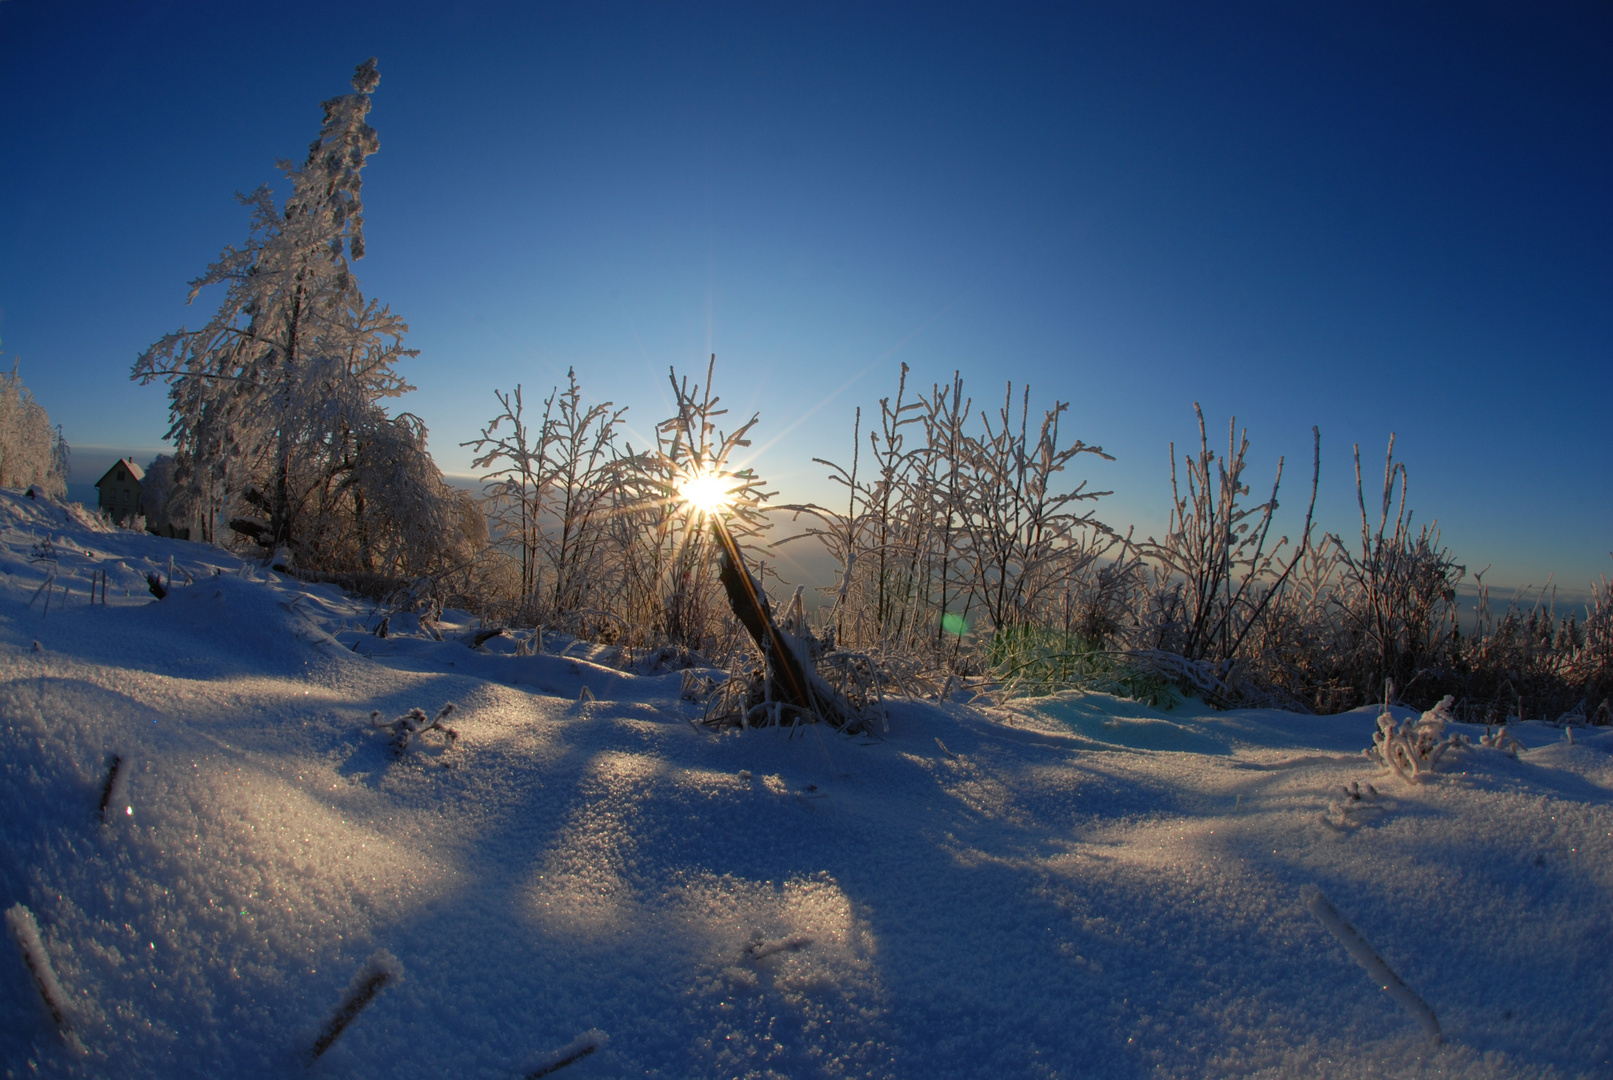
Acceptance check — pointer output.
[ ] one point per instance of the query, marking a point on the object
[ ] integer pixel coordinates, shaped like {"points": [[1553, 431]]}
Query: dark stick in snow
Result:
{"points": [[569, 1054], [382, 968], [25, 932], [1365, 955], [749, 604], [483, 636], [111, 784]]}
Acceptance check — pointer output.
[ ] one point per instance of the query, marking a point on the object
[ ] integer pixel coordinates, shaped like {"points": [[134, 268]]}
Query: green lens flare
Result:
{"points": [[954, 624]]}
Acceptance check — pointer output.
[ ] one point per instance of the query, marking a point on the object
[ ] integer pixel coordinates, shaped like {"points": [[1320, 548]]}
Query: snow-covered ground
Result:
{"points": [[1077, 886]]}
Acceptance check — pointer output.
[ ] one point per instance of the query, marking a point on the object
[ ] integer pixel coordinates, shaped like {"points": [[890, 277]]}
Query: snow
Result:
{"points": [[1077, 886]]}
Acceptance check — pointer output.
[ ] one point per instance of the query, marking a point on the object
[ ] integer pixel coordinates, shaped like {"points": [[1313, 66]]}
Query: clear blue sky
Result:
{"points": [[1373, 218]]}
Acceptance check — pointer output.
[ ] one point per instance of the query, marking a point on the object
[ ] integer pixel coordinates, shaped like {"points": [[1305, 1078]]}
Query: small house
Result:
{"points": [[119, 491]]}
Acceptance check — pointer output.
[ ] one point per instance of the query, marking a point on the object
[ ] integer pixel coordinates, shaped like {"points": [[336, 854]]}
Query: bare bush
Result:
{"points": [[1532, 663], [1396, 597], [959, 525], [1217, 574], [600, 538], [551, 497], [967, 563]]}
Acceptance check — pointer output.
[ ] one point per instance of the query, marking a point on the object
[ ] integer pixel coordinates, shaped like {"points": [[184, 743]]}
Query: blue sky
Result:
{"points": [[1373, 218]]}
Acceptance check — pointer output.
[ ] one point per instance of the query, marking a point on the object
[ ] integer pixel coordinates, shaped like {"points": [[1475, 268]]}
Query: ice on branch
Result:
{"points": [[1365, 955], [1413, 748], [414, 724], [25, 932]]}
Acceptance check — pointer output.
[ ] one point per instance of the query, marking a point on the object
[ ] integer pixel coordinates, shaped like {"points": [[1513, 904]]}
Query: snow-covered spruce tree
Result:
{"points": [[31, 451], [276, 403]]}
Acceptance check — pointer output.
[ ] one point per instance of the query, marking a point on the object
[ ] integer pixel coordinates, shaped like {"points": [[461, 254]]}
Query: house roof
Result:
{"points": [[135, 472]]}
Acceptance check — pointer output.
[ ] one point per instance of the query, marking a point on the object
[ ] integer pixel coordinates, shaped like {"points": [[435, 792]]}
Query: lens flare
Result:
{"points": [[707, 492]]}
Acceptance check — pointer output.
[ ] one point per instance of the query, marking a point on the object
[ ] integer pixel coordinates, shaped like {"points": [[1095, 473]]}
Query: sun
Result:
{"points": [[707, 492]]}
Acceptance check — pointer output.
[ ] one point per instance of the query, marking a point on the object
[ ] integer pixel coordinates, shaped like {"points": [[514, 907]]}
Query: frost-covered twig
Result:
{"points": [[569, 1054], [760, 948], [381, 969], [413, 723], [1414, 747], [1341, 815], [1364, 954], [25, 932]]}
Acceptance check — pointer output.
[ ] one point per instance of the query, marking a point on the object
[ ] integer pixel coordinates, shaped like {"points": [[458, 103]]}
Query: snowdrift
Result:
{"points": [[1069, 887]]}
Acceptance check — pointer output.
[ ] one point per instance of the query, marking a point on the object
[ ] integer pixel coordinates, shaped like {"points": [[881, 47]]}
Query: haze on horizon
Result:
{"points": [[1370, 219]]}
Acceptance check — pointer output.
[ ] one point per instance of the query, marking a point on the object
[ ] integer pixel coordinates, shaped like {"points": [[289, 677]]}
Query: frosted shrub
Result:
{"points": [[408, 729], [1414, 748], [550, 494], [1396, 594], [1532, 662], [963, 530], [1217, 575], [966, 558], [599, 536], [670, 553]]}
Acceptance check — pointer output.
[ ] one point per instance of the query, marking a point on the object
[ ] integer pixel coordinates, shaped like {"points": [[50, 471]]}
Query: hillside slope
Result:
{"points": [[1071, 887]]}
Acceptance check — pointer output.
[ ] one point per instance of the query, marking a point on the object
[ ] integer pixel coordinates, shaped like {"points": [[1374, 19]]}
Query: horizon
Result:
{"points": [[1374, 221]]}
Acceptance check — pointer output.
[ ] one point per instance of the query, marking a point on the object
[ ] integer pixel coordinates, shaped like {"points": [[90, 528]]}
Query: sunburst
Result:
{"points": [[707, 491]]}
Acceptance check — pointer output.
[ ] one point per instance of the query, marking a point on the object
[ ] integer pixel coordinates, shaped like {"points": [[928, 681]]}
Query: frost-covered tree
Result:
{"points": [[31, 451], [276, 403], [156, 489]]}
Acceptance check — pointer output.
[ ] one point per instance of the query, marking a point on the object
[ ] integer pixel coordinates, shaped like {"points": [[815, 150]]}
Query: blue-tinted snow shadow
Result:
{"points": [[1121, 724], [987, 963], [1141, 730], [219, 628]]}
